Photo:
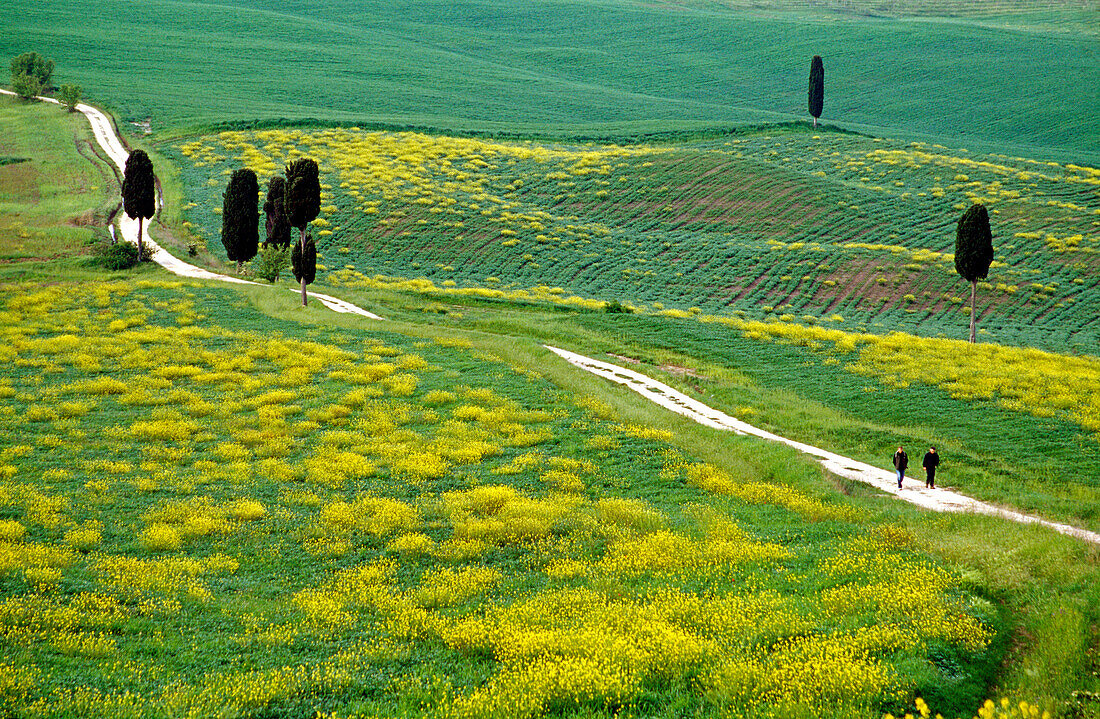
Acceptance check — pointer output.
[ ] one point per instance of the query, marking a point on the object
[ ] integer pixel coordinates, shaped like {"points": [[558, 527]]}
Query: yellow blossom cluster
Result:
{"points": [[335, 510], [538, 293], [447, 178], [1021, 379]]}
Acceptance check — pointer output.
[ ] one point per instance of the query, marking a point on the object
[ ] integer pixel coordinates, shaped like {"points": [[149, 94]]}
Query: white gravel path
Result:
{"points": [[105, 135], [940, 500]]}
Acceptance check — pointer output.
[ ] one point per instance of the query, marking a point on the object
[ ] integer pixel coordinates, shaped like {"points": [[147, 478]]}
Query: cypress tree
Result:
{"points": [[276, 223], [302, 200], [139, 194], [240, 218], [817, 87], [303, 261], [973, 253]]}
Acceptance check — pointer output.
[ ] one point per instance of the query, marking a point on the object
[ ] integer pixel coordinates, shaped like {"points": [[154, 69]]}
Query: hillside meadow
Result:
{"points": [[205, 514], [840, 229], [772, 258], [214, 502], [988, 74]]}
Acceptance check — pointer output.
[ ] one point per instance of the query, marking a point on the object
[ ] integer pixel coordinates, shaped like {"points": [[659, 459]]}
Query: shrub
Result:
{"points": [[614, 306], [26, 86], [70, 96], [161, 537], [247, 510], [83, 539], [271, 262], [11, 530], [116, 255]]}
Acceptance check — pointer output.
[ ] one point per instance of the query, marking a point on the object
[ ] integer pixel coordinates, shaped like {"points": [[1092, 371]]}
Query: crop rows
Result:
{"points": [[823, 226]]}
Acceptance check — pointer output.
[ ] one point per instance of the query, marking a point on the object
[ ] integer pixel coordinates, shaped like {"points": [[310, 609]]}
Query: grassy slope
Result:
{"points": [[573, 66], [120, 476], [1045, 583], [50, 197], [1040, 465]]}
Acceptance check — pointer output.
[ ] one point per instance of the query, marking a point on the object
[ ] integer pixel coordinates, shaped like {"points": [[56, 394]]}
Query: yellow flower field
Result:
{"points": [[1044, 384], [208, 513]]}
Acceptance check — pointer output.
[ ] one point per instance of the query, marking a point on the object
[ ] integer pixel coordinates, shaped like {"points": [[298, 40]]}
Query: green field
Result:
{"points": [[216, 503], [812, 233], [358, 513], [843, 229], [41, 183], [1015, 77]]}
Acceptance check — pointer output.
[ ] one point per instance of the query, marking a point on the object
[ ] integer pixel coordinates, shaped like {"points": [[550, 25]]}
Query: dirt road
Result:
{"points": [[939, 500]]}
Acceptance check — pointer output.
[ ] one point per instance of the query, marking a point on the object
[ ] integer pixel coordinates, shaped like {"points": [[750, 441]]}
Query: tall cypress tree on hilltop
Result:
{"points": [[240, 217], [973, 252], [139, 192], [302, 201], [817, 87]]}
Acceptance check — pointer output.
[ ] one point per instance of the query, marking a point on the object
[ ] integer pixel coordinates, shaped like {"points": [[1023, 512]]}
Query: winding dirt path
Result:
{"points": [[939, 500], [105, 135]]}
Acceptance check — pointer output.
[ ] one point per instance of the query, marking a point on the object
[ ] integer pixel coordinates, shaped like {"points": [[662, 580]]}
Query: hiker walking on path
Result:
{"points": [[931, 461], [901, 461]]}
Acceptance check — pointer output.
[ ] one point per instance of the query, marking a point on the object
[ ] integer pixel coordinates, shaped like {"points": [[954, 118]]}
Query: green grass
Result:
{"points": [[578, 66], [1039, 465], [842, 231], [1038, 589], [51, 197], [218, 403]]}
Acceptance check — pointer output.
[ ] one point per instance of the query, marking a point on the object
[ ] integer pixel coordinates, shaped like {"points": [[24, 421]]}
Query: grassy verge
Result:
{"points": [[53, 196]]}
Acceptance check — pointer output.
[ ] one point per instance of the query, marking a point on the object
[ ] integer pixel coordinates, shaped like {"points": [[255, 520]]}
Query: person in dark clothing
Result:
{"points": [[931, 461], [901, 461]]}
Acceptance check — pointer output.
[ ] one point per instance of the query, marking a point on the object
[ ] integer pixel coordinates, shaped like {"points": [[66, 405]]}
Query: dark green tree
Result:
{"points": [[240, 217], [303, 261], [973, 253], [139, 192], [817, 87], [31, 64], [70, 95], [302, 202], [276, 223]]}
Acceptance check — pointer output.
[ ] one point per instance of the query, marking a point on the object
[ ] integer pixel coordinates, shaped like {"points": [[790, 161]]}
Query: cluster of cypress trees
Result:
{"points": [[292, 201]]}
